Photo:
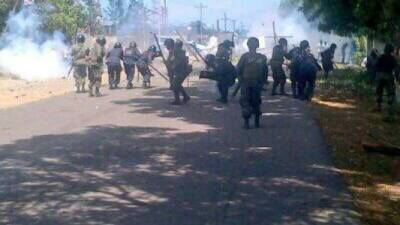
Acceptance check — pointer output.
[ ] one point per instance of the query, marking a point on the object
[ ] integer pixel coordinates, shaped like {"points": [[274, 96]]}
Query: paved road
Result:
{"points": [[130, 158]]}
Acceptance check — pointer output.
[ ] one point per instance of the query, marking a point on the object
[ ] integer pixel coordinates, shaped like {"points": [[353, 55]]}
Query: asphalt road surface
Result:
{"points": [[131, 158]]}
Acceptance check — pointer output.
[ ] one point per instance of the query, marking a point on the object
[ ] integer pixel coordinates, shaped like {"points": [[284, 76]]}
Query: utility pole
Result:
{"points": [[201, 7], [225, 20]]}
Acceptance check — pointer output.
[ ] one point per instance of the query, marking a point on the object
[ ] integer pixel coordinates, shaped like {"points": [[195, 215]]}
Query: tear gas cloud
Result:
{"points": [[29, 53]]}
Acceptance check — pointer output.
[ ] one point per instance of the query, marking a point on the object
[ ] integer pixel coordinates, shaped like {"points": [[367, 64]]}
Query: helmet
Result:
{"points": [[178, 43], [228, 44], [389, 49], [304, 44], [118, 45], [169, 43], [210, 59], [253, 42], [101, 40], [152, 48], [333, 46], [283, 42], [133, 44], [80, 38]]}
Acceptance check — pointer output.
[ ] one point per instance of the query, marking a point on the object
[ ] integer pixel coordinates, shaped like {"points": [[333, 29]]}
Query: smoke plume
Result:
{"points": [[29, 53]]}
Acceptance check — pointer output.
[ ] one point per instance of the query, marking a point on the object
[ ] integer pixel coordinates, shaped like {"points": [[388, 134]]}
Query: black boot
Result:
{"points": [[98, 94]]}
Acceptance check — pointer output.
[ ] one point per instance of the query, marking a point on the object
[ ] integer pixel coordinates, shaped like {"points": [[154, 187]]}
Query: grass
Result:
{"points": [[343, 107]]}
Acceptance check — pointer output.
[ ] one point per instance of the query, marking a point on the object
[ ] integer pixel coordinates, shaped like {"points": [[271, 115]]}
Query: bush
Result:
{"points": [[350, 81]]}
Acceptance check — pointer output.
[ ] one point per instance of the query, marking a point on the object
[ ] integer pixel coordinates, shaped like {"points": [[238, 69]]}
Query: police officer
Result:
{"points": [[79, 54], [387, 70], [96, 65], [224, 70], [145, 59], [131, 57], [278, 74], [252, 72], [327, 57], [178, 69], [113, 61], [307, 72], [294, 70]]}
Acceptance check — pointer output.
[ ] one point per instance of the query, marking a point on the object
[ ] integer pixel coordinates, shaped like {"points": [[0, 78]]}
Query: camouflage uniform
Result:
{"points": [[307, 75], [252, 72], [294, 70], [278, 74], [79, 53], [225, 71], [179, 69], [96, 67]]}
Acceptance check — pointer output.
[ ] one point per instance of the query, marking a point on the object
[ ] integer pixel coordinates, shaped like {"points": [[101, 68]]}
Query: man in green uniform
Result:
{"points": [[79, 54], [278, 57], [96, 65], [178, 69], [252, 72]]}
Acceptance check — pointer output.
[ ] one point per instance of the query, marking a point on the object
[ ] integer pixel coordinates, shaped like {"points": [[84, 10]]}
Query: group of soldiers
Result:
{"points": [[88, 62], [251, 71]]}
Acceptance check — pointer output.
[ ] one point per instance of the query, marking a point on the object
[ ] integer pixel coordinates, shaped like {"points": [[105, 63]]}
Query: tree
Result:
{"points": [[6, 7], [116, 11], [379, 19]]}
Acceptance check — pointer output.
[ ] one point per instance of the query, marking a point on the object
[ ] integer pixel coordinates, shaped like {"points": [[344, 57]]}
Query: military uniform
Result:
{"points": [[308, 70], [179, 69], [387, 70], [252, 72], [327, 60], [278, 74], [131, 57], [225, 72], [114, 58], [294, 70], [79, 53], [96, 67]]}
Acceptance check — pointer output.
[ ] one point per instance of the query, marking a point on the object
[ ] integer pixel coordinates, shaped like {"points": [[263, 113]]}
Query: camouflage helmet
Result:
{"points": [[101, 40], [253, 42], [133, 44], [118, 45], [178, 43], [80, 38], [304, 44], [169, 43], [283, 42]]}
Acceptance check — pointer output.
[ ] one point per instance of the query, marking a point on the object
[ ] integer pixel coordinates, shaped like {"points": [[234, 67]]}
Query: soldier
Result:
{"points": [[113, 61], [278, 57], [327, 57], [96, 63], [225, 70], [143, 64], [294, 70], [252, 72], [131, 56], [387, 70], [308, 69], [79, 54], [178, 69]]}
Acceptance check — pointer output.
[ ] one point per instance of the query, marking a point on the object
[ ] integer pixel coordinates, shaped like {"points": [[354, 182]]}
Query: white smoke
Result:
{"points": [[29, 53]]}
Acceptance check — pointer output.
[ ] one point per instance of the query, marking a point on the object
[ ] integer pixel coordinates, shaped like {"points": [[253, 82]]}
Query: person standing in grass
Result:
{"points": [[387, 70]]}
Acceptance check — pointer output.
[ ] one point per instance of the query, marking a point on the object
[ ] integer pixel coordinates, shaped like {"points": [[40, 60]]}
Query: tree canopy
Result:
{"points": [[379, 19]]}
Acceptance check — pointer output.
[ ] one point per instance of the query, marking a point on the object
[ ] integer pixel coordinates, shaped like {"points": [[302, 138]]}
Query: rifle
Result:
{"points": [[162, 54]]}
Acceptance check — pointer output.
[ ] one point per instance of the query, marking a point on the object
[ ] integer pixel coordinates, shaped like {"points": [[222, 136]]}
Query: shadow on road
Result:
{"points": [[170, 176]]}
